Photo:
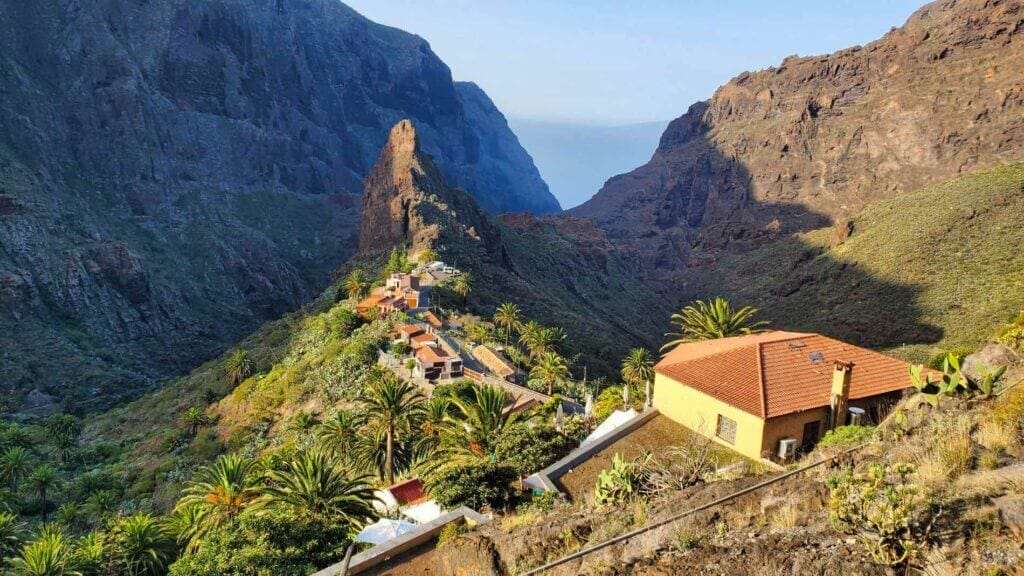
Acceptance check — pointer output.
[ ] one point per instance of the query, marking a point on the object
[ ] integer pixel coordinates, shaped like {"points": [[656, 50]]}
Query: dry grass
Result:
{"points": [[949, 452], [997, 436], [510, 523], [786, 516]]}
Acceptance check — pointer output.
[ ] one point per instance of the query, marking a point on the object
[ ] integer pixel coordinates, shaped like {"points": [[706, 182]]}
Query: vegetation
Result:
{"points": [[392, 407], [847, 436], [623, 482], [357, 285], [479, 485], [707, 320]]}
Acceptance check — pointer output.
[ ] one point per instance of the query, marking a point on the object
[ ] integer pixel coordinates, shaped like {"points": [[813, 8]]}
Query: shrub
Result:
{"points": [[623, 482], [936, 361], [528, 449], [610, 400], [476, 485], [845, 436], [879, 507], [450, 532], [342, 321], [401, 349]]}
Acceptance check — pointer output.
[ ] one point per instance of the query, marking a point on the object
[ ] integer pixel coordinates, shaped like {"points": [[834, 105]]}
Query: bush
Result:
{"points": [[463, 389], [342, 321], [401, 349], [475, 485], [881, 508], [610, 400], [623, 482], [528, 449], [450, 532], [846, 436]]}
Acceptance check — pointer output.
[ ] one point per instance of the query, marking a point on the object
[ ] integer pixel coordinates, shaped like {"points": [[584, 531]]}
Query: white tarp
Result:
{"points": [[616, 419], [423, 512], [383, 530]]}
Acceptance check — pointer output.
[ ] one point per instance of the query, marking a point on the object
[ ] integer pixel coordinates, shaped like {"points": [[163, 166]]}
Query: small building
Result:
{"points": [[423, 339], [494, 361], [432, 320], [433, 363], [766, 395], [401, 292], [409, 498], [406, 332]]}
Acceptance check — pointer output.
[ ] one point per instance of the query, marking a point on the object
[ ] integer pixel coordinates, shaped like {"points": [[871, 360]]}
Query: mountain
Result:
{"points": [[576, 159], [816, 139], [174, 173], [562, 271]]}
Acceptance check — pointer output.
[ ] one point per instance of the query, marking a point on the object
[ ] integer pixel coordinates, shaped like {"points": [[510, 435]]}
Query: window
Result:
{"points": [[726, 429]]}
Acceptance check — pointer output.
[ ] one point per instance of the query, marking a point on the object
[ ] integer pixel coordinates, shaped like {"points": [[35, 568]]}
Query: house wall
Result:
{"points": [[791, 426], [699, 412]]}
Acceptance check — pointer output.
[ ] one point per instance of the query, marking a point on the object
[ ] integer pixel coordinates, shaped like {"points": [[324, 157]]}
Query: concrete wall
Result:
{"points": [[699, 412]]}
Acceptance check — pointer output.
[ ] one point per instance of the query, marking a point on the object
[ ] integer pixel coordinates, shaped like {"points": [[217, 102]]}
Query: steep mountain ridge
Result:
{"points": [[816, 139], [174, 173]]}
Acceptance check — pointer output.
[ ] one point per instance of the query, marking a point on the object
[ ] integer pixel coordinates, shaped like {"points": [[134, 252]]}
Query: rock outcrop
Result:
{"points": [[173, 173], [815, 139]]}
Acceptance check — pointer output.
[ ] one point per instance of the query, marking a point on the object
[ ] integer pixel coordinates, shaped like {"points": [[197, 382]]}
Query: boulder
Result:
{"points": [[988, 359], [1011, 514]]}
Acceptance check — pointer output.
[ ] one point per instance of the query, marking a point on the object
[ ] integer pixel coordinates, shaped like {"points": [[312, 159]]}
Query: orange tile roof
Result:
{"points": [[370, 302], [423, 339], [410, 329], [430, 354], [777, 373], [432, 319]]}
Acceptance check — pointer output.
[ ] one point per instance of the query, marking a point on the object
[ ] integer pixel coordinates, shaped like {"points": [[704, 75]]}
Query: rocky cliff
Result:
{"points": [[174, 172], [815, 139]]}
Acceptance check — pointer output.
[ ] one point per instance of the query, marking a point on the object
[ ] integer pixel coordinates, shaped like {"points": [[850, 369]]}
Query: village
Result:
{"points": [[759, 400]]}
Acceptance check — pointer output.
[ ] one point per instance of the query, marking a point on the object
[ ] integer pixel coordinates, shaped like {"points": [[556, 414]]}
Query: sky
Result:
{"points": [[608, 62]]}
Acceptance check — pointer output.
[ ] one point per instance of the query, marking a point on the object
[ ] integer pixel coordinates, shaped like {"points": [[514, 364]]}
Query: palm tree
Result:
{"points": [[238, 367], [14, 466], [392, 408], [303, 421], [49, 555], [194, 418], [340, 432], [637, 368], [221, 491], [12, 531], [317, 483], [479, 422], [713, 319], [189, 525], [63, 426], [143, 544], [551, 368], [432, 426], [463, 285], [91, 554], [43, 481], [507, 317], [357, 284]]}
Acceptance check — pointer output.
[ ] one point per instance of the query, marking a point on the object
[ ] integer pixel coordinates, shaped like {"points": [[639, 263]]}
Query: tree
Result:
{"points": [[63, 426], [14, 466], [142, 544], [43, 481], [552, 369], [392, 408], [432, 425], [221, 491], [357, 285], [708, 320], [48, 555], [194, 418], [474, 484], [340, 432], [528, 449], [507, 318], [304, 421], [463, 285], [637, 368], [238, 367], [473, 430], [317, 483]]}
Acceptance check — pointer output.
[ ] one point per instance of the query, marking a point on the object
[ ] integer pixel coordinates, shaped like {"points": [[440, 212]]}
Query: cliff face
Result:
{"points": [[173, 173], [816, 139]]}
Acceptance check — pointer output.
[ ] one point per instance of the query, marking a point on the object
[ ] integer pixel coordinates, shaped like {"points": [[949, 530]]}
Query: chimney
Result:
{"points": [[839, 399]]}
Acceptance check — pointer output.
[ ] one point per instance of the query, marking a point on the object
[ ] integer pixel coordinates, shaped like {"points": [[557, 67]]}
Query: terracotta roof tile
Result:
{"points": [[778, 373]]}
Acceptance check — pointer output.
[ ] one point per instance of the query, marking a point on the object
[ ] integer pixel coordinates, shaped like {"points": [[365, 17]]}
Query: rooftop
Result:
{"points": [[777, 373], [430, 354]]}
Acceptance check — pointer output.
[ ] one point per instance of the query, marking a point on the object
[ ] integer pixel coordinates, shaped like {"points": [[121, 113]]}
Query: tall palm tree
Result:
{"points": [[392, 408], [238, 367], [143, 544], [357, 285], [463, 285], [708, 320], [551, 368], [48, 555], [221, 490], [43, 481], [63, 426], [432, 427], [317, 483], [14, 466], [194, 418], [637, 367], [507, 317], [339, 433]]}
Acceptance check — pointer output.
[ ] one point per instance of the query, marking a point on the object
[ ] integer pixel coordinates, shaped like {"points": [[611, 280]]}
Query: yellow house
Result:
{"points": [[767, 395]]}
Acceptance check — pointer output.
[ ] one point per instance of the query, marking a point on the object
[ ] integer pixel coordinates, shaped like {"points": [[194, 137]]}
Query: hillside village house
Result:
{"points": [[494, 361], [765, 395], [401, 292]]}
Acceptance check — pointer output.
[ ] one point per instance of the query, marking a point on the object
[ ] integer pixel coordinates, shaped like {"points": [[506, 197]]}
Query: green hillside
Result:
{"points": [[930, 270]]}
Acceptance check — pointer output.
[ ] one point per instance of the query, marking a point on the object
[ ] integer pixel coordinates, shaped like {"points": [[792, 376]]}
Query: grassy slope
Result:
{"points": [[929, 270]]}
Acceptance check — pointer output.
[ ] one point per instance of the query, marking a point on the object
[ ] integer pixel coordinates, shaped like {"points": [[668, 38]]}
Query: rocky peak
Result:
{"points": [[406, 200]]}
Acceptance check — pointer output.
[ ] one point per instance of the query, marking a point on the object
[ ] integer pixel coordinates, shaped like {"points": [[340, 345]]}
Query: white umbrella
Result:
{"points": [[383, 530]]}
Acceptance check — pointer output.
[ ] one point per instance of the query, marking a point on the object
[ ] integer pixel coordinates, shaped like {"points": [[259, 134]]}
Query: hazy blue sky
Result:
{"points": [[607, 61]]}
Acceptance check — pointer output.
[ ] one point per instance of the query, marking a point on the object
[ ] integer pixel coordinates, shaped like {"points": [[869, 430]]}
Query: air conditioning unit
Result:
{"points": [[787, 448]]}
